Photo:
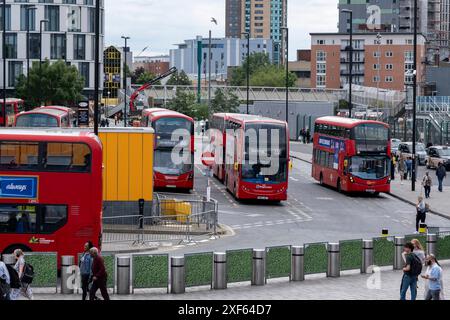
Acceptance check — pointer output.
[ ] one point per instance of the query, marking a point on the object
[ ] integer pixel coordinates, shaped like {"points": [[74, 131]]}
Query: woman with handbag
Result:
{"points": [[25, 289]]}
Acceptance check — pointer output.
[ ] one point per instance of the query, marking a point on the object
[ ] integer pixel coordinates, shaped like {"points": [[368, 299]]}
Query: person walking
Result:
{"points": [[441, 174], [402, 169], [421, 216], [5, 281], [409, 168], [99, 275], [433, 276], [308, 136], [427, 182], [393, 166], [85, 265], [419, 251], [25, 289], [411, 272]]}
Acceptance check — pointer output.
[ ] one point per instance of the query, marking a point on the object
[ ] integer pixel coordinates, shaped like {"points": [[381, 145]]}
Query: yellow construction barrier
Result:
{"points": [[183, 211], [168, 207]]}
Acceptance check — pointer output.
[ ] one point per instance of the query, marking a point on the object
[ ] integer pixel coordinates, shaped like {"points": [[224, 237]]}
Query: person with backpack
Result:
{"points": [[411, 272], [85, 265], [5, 282], [25, 273], [434, 289]]}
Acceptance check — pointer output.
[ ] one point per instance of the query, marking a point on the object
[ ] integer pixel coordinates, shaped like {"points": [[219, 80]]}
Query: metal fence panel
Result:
{"points": [[351, 254], [278, 262], [150, 271], [316, 258], [198, 269], [45, 266], [383, 251], [239, 265], [443, 246]]}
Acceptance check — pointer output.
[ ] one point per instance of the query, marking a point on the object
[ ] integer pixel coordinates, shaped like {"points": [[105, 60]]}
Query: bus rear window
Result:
{"points": [[36, 120]]}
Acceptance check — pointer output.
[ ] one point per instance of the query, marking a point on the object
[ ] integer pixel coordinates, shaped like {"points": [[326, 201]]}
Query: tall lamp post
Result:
{"points": [[125, 80], [97, 65], [247, 34], [414, 138], [4, 61], [213, 20], [379, 71], [28, 9], [40, 53], [350, 80], [287, 72]]}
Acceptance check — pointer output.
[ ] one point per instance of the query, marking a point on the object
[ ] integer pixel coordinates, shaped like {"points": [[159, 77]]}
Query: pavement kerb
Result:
{"points": [[442, 215]]}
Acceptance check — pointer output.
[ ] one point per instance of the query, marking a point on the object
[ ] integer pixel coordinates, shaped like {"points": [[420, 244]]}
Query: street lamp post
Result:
{"points": [[28, 9], [125, 81], [209, 72], [413, 182], [247, 34], [4, 61], [379, 71], [40, 54], [287, 72], [97, 65], [350, 104]]}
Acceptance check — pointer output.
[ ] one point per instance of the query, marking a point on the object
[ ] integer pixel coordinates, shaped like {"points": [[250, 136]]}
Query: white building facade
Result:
{"points": [[69, 35]]}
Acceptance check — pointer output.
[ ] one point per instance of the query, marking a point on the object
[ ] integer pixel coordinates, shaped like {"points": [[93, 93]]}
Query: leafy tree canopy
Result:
{"points": [[179, 79]]}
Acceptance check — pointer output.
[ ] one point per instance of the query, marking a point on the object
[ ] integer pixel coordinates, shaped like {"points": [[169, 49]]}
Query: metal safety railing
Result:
{"points": [[174, 218]]}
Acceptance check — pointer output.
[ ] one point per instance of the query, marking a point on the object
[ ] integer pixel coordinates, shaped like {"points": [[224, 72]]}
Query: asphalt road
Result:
{"points": [[313, 213]]}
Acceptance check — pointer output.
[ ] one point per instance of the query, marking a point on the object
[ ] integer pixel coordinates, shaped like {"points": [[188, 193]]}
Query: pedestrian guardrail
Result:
{"points": [[216, 270], [176, 217]]}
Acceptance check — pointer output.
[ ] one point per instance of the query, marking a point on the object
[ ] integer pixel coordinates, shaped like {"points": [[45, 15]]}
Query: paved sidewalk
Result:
{"points": [[347, 287], [439, 201]]}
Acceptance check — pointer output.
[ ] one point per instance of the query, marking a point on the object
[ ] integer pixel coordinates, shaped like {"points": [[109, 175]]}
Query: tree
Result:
{"points": [[183, 102], [224, 102], [256, 60], [179, 79], [54, 83], [137, 74], [272, 76], [200, 111], [147, 77]]}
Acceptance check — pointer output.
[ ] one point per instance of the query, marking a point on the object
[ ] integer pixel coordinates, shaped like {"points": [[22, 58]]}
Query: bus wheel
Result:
{"points": [[11, 248]]}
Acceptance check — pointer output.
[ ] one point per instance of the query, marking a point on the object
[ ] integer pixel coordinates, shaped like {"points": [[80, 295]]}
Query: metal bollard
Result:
{"points": [[220, 271], [431, 244], [67, 272], [334, 260], [259, 267], [178, 284], [123, 275], [399, 243], [9, 259], [367, 255], [297, 263]]}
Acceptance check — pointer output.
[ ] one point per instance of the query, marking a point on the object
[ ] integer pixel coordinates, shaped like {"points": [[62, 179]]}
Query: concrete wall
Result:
{"points": [[439, 76], [297, 113]]}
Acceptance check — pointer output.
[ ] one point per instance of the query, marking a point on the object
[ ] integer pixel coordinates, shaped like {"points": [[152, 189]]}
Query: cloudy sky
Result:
{"points": [[161, 23]]}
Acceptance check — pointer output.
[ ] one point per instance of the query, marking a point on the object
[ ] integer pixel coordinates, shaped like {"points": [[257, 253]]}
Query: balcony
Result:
{"points": [[360, 61]]}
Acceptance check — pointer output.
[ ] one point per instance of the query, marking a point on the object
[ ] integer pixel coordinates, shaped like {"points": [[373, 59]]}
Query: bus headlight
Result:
{"points": [[352, 180]]}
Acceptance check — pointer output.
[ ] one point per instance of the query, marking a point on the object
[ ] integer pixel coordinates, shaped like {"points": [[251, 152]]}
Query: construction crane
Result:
{"points": [[148, 85]]}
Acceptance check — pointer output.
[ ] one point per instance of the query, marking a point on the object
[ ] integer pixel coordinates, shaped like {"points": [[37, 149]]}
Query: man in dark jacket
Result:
{"points": [[441, 173], [99, 276]]}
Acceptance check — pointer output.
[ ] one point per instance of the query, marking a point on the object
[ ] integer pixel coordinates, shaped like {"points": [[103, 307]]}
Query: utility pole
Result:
{"points": [[287, 72], [4, 62], [350, 104], [125, 51], [199, 69], [97, 65], [414, 138]]}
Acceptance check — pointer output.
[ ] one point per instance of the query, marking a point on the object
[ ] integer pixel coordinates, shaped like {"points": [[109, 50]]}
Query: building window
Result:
{"points": [[74, 19], [83, 68], [15, 70], [389, 41], [409, 56], [376, 66], [389, 79], [52, 14], [389, 66], [58, 46], [11, 46], [321, 68], [376, 54], [35, 41], [79, 47], [31, 18], [320, 81], [389, 54], [321, 56], [376, 79], [320, 42], [8, 17]]}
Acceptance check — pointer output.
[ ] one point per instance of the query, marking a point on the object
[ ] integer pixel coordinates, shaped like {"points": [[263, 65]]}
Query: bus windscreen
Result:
{"points": [[369, 168], [166, 165]]}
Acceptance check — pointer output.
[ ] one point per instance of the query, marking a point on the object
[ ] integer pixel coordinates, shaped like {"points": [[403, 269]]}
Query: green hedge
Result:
{"points": [[383, 251], [150, 271], [351, 254], [316, 258], [45, 269], [239, 265], [443, 246], [110, 269], [198, 269], [278, 262]]}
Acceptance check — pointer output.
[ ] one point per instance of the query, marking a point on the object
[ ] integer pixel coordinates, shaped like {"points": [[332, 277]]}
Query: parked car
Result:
{"points": [[405, 151], [394, 145], [438, 154]]}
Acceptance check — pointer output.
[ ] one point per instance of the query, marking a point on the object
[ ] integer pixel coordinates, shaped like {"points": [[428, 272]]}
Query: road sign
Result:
{"points": [[208, 159]]}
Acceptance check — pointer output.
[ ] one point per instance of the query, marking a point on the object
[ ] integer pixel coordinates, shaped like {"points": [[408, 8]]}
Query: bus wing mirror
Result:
{"points": [[346, 163], [291, 164], [236, 166]]}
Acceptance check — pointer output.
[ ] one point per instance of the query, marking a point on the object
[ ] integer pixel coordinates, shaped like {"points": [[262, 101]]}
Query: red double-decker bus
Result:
{"points": [[352, 155], [256, 157], [50, 190], [174, 137], [218, 140], [46, 117], [13, 107]]}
